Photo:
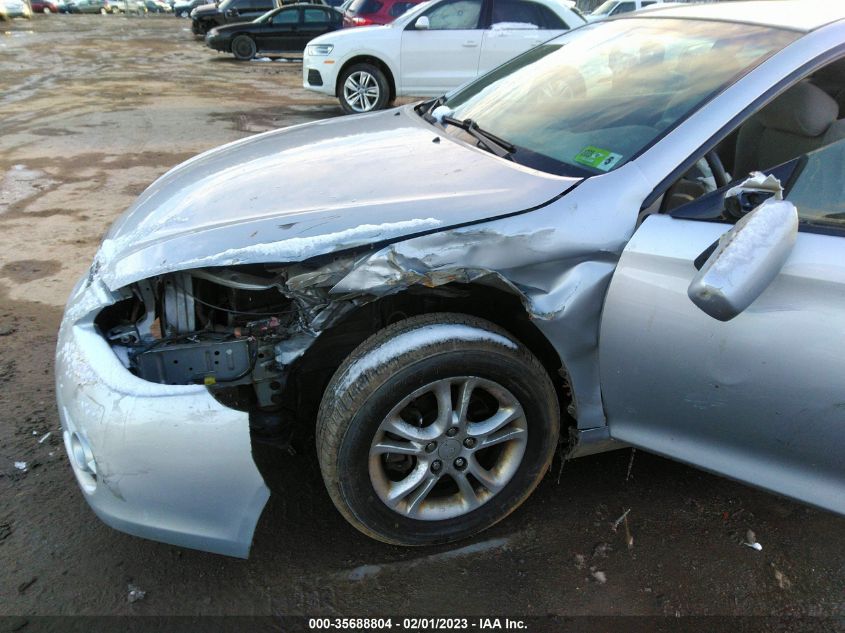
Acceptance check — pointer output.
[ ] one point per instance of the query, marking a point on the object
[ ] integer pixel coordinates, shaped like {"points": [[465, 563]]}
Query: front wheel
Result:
{"points": [[436, 428], [363, 88], [243, 47]]}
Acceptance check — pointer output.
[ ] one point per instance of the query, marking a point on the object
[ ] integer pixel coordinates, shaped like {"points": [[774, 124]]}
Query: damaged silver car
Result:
{"points": [[630, 235]]}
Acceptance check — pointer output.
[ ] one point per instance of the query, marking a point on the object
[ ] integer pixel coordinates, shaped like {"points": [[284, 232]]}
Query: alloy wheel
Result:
{"points": [[361, 91], [448, 448]]}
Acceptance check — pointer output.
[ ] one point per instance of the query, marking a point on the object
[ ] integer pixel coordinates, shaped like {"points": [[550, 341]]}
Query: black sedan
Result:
{"points": [[284, 30]]}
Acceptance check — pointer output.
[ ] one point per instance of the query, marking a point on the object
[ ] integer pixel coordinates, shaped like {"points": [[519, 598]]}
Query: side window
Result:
{"points": [[515, 14], [550, 19], [286, 17], [454, 15], [818, 188], [623, 7], [399, 8], [314, 16], [364, 7], [801, 131]]}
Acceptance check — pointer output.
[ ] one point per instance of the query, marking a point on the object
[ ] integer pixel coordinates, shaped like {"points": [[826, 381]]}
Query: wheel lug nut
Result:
{"points": [[460, 463], [452, 432], [469, 442], [430, 447], [436, 465]]}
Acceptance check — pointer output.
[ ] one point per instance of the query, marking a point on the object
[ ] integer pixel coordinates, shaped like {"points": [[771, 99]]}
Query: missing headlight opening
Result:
{"points": [[218, 327]]}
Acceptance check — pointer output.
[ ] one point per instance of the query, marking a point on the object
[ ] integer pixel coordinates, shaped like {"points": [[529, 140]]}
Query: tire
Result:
{"points": [[243, 47], [363, 88], [103, 11], [46, 11], [399, 370]]}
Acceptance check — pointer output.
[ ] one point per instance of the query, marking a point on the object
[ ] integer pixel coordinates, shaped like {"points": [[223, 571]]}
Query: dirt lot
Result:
{"points": [[93, 109]]}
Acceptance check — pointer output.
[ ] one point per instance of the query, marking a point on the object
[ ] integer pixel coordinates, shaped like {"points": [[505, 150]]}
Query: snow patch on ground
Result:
{"points": [[416, 339], [364, 572], [21, 183]]}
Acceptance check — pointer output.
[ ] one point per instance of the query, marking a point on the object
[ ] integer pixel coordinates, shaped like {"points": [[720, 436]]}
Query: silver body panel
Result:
{"points": [[172, 463], [432, 207], [758, 398], [291, 194]]}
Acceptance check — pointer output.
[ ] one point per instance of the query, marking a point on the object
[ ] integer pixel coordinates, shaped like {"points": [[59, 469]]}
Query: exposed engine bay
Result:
{"points": [[223, 328]]}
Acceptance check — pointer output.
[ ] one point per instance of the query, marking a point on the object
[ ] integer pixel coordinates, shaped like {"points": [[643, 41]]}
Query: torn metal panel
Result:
{"points": [[558, 259]]}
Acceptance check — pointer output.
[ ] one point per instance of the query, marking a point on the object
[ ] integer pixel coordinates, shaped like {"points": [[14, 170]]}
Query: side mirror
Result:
{"points": [[422, 23], [746, 260]]}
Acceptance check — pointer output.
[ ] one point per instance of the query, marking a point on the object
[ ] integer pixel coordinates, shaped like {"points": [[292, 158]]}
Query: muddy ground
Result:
{"points": [[93, 109]]}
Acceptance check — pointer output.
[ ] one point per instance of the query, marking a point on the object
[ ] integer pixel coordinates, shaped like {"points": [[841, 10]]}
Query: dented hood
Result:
{"points": [[312, 189]]}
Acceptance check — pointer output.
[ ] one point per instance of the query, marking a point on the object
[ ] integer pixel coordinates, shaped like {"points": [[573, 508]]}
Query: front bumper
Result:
{"points": [[324, 68], [218, 43], [163, 462]]}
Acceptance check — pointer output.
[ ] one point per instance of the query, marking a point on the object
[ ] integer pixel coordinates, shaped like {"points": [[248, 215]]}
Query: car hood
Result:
{"points": [[313, 189], [206, 9], [227, 29], [365, 34]]}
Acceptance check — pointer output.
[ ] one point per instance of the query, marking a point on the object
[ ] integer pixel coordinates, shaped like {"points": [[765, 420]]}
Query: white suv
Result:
{"points": [[618, 7], [431, 49]]}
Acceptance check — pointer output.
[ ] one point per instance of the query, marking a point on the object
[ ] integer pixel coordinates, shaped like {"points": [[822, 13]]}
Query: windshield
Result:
{"points": [[265, 17], [589, 101], [605, 8]]}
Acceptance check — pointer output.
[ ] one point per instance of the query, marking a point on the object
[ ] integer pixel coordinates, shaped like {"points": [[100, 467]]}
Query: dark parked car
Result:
{"points": [[284, 30], [183, 8], [157, 6], [205, 17], [369, 12]]}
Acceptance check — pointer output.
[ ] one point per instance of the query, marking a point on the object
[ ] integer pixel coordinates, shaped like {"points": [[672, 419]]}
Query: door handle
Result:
{"points": [[470, 44]]}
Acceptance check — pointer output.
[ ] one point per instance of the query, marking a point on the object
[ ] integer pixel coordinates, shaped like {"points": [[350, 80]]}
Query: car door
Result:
{"points": [[282, 30], [515, 26], [247, 10], [759, 398], [445, 55], [315, 21]]}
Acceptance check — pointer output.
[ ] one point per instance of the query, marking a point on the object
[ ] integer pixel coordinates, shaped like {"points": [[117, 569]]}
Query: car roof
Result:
{"points": [[799, 15]]}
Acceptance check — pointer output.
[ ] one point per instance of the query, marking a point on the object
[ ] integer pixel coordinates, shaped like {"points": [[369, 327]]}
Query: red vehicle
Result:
{"points": [[44, 6], [368, 12]]}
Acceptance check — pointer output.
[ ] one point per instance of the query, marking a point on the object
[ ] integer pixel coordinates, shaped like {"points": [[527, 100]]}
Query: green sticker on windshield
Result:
{"points": [[597, 158]]}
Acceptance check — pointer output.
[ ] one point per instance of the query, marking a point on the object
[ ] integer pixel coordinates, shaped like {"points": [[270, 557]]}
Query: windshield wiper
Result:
{"points": [[427, 107], [489, 141]]}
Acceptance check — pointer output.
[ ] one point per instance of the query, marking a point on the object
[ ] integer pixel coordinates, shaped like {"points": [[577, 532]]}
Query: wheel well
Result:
{"points": [[368, 59], [309, 377], [237, 35]]}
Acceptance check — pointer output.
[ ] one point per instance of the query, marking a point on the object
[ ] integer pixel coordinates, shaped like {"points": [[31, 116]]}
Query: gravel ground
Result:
{"points": [[93, 108]]}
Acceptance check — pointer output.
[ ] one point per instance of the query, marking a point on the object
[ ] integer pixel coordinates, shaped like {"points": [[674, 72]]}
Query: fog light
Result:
{"points": [[82, 455]]}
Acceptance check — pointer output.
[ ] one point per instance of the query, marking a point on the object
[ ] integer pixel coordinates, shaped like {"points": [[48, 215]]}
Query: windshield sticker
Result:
{"points": [[597, 158]]}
